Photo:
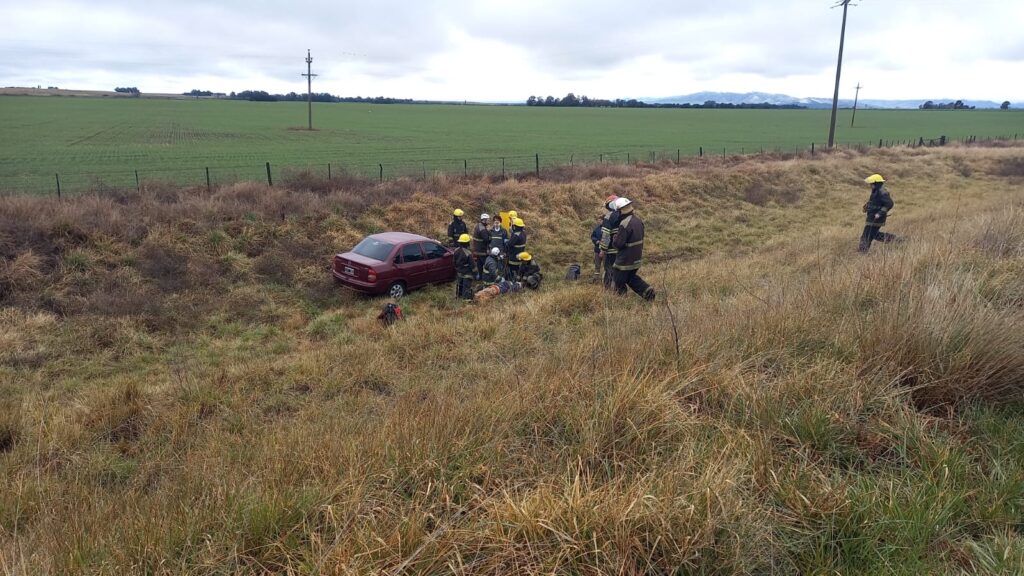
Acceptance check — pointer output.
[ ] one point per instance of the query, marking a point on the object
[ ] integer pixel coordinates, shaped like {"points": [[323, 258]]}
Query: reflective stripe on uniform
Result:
{"points": [[633, 266], [637, 243]]}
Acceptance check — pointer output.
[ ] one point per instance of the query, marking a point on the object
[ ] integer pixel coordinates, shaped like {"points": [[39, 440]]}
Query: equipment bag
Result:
{"points": [[390, 314], [574, 272]]}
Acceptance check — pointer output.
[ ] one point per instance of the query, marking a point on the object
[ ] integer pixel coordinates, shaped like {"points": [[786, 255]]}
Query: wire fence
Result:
{"points": [[215, 175]]}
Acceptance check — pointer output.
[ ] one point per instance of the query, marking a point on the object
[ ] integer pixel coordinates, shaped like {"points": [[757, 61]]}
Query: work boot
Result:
{"points": [[649, 294]]}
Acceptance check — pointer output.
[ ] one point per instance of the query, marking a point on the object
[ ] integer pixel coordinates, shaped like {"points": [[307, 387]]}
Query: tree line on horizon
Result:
{"points": [[572, 101]]}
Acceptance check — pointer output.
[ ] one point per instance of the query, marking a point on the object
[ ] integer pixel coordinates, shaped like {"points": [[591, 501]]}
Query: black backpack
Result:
{"points": [[574, 272]]}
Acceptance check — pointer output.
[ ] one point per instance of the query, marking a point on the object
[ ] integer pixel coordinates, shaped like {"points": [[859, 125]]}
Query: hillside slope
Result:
{"points": [[184, 391]]}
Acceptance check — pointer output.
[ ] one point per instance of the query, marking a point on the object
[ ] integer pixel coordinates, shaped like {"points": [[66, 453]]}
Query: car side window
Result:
{"points": [[433, 250], [411, 253]]}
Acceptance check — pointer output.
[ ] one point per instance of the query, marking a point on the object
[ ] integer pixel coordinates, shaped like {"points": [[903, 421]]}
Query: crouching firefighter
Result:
{"points": [[494, 270], [464, 269], [529, 271], [877, 210], [629, 241]]}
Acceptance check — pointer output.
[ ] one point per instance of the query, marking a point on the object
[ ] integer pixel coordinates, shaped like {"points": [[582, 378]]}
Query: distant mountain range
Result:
{"points": [[783, 99]]}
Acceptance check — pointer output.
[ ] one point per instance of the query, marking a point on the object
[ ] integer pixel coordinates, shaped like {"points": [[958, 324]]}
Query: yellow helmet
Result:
{"points": [[512, 215], [874, 179], [525, 256], [518, 222], [458, 212], [464, 239]]}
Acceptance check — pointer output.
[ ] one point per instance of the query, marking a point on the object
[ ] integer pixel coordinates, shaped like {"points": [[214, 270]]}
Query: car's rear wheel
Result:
{"points": [[397, 290]]}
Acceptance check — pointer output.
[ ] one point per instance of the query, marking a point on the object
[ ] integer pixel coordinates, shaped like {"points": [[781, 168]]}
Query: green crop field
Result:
{"points": [[92, 141]]}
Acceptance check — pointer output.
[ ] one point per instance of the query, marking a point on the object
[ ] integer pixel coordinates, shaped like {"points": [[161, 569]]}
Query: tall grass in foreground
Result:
{"points": [[824, 412]]}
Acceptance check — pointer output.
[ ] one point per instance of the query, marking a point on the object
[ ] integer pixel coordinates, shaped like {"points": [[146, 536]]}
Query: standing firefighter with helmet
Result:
{"points": [[457, 227], [609, 228], [629, 242], [464, 269], [516, 245], [481, 240], [877, 210]]}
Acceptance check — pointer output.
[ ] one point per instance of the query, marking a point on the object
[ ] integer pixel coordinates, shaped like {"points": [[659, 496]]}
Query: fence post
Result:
{"points": [[812, 148], [677, 155], [138, 186], [270, 181], [502, 168], [207, 179], [381, 177], [627, 158], [465, 167], [536, 158], [424, 169], [328, 171], [602, 158], [58, 186], [571, 163], [700, 153]]}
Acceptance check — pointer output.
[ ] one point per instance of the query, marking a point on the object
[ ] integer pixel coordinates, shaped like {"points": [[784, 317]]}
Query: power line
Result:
{"points": [[839, 70]]}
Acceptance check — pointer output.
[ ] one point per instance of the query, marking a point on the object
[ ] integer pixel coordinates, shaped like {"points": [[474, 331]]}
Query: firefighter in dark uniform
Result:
{"points": [[457, 227], [529, 271], [499, 236], [494, 267], [464, 269], [516, 244], [877, 210], [629, 241], [609, 228], [481, 241]]}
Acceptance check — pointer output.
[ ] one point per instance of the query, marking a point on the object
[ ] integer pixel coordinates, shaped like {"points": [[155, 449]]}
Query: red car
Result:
{"points": [[394, 263]]}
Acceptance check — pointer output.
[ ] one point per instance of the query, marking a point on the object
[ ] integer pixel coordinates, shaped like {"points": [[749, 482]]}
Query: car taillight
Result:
{"points": [[371, 275]]}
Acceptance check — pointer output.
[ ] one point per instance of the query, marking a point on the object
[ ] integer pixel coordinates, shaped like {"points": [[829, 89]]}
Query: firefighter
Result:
{"points": [[877, 210], [529, 271], [609, 228], [498, 235], [516, 244], [629, 241], [457, 227], [493, 267], [464, 269], [481, 240]]}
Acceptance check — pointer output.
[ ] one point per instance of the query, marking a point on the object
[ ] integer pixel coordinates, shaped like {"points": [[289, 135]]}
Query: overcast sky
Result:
{"points": [[507, 50]]}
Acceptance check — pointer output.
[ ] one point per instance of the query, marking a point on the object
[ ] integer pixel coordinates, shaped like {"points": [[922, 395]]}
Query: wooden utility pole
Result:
{"points": [[856, 97], [839, 70], [309, 86]]}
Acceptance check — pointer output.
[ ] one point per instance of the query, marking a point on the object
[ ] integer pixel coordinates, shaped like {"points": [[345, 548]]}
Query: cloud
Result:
{"points": [[446, 48]]}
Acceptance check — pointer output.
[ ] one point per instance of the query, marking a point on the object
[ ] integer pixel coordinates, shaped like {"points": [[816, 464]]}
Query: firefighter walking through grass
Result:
{"points": [[464, 269], [629, 243], [876, 210]]}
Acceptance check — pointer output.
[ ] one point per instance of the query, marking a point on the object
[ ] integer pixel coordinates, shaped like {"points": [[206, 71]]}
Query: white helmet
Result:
{"points": [[495, 251], [485, 216], [621, 203]]}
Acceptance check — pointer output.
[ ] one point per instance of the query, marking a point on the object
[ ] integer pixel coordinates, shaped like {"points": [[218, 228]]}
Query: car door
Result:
{"points": [[440, 262], [413, 266]]}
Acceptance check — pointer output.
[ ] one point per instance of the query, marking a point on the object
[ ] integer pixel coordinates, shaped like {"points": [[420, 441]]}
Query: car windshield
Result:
{"points": [[372, 248]]}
